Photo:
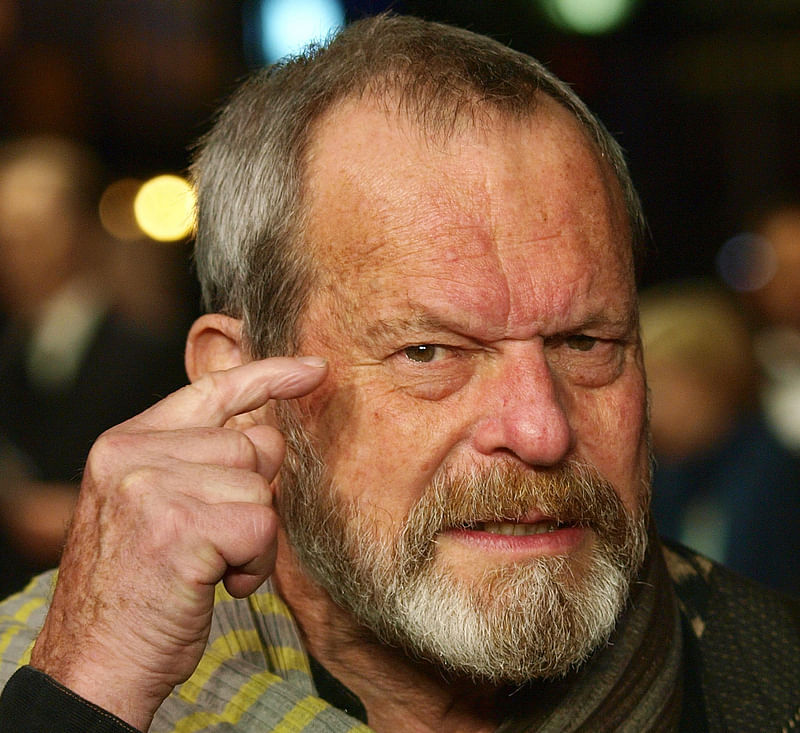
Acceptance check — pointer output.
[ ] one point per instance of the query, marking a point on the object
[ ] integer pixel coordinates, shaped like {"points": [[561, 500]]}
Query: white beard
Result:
{"points": [[514, 623]]}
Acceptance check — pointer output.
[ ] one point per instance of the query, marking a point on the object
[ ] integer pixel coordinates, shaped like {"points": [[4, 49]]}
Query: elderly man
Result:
{"points": [[432, 516]]}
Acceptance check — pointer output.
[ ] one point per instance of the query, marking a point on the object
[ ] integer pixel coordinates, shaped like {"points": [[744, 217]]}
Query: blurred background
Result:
{"points": [[100, 102]]}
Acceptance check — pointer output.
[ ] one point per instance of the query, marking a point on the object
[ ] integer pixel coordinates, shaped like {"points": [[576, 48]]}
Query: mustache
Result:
{"points": [[571, 494]]}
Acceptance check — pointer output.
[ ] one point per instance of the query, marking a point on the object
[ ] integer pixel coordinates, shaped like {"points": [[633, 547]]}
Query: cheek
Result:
{"points": [[611, 432], [377, 443]]}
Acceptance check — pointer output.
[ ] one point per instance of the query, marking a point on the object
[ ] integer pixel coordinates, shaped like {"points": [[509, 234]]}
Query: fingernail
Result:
{"points": [[312, 361]]}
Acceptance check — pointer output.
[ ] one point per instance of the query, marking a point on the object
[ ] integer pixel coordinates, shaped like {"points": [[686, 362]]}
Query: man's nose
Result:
{"points": [[524, 413]]}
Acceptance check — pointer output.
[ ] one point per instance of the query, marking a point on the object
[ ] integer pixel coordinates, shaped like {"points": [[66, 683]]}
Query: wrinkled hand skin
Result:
{"points": [[172, 502]]}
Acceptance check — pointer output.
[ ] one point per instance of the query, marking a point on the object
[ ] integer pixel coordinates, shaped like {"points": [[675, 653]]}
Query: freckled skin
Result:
{"points": [[500, 247], [512, 239]]}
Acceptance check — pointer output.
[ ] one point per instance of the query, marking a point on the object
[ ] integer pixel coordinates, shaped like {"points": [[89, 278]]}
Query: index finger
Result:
{"points": [[218, 396]]}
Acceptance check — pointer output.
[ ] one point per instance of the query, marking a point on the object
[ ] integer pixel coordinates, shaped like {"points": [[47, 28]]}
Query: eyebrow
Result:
{"points": [[420, 321], [417, 323], [624, 323], [425, 325]]}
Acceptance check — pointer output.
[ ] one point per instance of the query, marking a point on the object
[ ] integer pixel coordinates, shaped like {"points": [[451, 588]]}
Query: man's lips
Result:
{"points": [[532, 523], [516, 528], [534, 532]]}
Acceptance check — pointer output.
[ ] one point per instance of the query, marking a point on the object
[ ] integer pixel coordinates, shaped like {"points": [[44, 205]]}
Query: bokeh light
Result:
{"points": [[590, 17], [165, 208], [746, 262], [286, 26]]}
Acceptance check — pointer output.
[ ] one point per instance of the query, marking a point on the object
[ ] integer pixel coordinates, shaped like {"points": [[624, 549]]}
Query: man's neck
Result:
{"points": [[399, 693]]}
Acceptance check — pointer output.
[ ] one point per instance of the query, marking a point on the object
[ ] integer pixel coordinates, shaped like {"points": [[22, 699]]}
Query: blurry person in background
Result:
{"points": [[722, 476], [70, 365], [777, 308]]}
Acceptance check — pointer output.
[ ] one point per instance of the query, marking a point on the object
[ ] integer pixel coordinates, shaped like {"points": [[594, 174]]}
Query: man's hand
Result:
{"points": [[171, 503]]}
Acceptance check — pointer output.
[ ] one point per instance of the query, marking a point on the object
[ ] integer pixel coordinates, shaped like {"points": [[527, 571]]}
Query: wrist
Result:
{"points": [[104, 681]]}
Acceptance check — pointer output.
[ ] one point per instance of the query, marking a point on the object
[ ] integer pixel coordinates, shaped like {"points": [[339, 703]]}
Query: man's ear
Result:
{"points": [[214, 343]]}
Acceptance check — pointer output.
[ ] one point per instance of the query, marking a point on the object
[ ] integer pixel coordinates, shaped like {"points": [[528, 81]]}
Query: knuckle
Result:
{"points": [[166, 524], [205, 386], [138, 482], [107, 444], [262, 490], [242, 452], [106, 455], [212, 389], [175, 516]]}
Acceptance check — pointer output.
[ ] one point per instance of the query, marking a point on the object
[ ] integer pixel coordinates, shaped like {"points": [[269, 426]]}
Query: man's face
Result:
{"points": [[482, 427]]}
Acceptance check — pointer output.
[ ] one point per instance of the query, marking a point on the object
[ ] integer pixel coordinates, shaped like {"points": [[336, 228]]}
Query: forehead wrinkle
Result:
{"points": [[432, 209], [417, 323], [395, 228], [577, 284], [449, 229], [423, 320], [504, 201]]}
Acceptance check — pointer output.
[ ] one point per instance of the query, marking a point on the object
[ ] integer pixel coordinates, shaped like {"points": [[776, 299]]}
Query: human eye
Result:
{"points": [[424, 353], [586, 359], [430, 371], [581, 342]]}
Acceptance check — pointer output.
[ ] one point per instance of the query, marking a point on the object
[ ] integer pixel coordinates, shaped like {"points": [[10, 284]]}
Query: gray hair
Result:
{"points": [[249, 170]]}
